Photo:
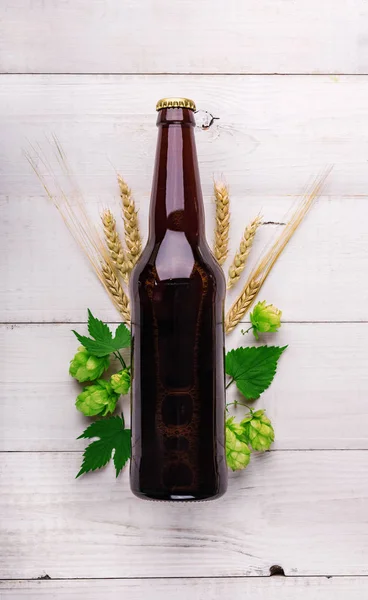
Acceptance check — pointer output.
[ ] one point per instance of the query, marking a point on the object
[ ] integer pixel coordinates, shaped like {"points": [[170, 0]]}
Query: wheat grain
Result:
{"points": [[115, 290], [222, 227], [132, 234], [114, 244], [242, 304], [240, 259], [260, 273]]}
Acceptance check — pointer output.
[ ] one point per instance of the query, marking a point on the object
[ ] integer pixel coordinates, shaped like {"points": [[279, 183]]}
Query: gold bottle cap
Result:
{"points": [[175, 103]]}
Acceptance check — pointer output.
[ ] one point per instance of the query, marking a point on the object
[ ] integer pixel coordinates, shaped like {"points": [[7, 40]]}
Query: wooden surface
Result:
{"points": [[273, 136], [187, 36], [303, 588], [313, 403], [90, 72], [303, 510]]}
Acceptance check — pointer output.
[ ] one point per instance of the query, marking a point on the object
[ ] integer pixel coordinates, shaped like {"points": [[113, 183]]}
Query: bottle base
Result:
{"points": [[155, 496]]}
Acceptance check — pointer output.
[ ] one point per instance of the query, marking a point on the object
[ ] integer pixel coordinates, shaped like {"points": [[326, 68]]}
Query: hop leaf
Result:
{"points": [[97, 399], [120, 382], [97, 329], [258, 430], [265, 318], [86, 367], [103, 342], [122, 337], [253, 369], [237, 450], [113, 436]]}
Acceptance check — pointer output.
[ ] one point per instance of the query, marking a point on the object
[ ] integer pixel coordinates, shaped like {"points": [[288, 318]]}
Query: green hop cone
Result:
{"points": [[258, 430], [85, 367], [97, 399], [237, 450], [120, 382], [265, 318]]}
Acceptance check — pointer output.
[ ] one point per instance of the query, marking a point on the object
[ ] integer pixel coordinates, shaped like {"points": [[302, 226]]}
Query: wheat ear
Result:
{"points": [[240, 259], [115, 290], [221, 248], [132, 234], [114, 244], [242, 304], [260, 273]]}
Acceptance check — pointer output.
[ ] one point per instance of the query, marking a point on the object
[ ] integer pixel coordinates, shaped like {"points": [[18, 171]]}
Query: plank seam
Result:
{"points": [[195, 577], [290, 450], [186, 74], [176, 578], [8, 323]]}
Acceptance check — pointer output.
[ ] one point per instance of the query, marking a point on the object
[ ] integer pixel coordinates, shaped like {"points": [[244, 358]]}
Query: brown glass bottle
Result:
{"points": [[177, 292]]}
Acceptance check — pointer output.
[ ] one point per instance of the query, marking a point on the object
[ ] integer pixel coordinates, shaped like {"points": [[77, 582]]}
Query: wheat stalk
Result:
{"points": [[240, 259], [86, 235], [114, 244], [79, 224], [221, 248], [132, 234], [259, 274], [115, 290]]}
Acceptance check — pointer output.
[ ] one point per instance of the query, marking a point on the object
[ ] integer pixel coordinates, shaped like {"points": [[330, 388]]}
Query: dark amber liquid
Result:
{"points": [[178, 395]]}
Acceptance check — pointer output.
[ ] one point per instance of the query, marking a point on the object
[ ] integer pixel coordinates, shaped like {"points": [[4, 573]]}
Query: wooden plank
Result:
{"points": [[318, 399], [305, 511], [47, 278], [89, 36], [268, 147], [274, 588], [273, 133]]}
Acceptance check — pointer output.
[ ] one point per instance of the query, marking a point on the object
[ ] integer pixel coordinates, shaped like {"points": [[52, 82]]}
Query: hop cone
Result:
{"points": [[237, 450], [120, 382], [265, 318], [258, 430], [97, 399], [85, 367]]}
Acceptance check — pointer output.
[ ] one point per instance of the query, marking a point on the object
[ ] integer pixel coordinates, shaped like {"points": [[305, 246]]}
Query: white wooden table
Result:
{"points": [[288, 80]]}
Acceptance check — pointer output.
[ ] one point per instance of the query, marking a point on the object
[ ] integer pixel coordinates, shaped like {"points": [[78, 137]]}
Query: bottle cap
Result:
{"points": [[175, 103]]}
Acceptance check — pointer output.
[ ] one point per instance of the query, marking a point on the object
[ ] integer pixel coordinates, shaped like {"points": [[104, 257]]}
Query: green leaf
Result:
{"points": [[96, 456], [95, 347], [122, 453], [103, 343], [122, 337], [253, 369], [113, 437], [97, 329], [103, 428], [237, 450]]}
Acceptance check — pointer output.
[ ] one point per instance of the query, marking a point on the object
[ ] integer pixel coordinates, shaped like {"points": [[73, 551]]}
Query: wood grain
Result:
{"points": [[273, 588], [89, 36], [302, 506], [267, 160], [305, 511], [47, 278], [273, 135], [318, 399]]}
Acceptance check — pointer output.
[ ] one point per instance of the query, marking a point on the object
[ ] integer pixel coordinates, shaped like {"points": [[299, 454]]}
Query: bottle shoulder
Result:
{"points": [[170, 261]]}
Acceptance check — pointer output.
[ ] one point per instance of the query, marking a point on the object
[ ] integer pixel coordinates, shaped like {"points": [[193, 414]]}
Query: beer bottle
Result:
{"points": [[177, 297]]}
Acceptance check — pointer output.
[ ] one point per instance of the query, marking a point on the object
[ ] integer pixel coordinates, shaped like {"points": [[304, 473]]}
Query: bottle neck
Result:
{"points": [[176, 200]]}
